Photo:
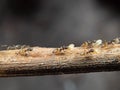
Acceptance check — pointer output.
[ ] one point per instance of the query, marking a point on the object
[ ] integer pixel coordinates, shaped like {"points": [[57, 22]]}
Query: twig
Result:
{"points": [[94, 56]]}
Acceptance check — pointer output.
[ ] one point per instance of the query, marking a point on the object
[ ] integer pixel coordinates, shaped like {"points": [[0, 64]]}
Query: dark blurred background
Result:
{"points": [[53, 23]]}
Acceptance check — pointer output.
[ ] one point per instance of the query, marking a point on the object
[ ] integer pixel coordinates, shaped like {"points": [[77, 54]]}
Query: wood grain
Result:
{"points": [[57, 61]]}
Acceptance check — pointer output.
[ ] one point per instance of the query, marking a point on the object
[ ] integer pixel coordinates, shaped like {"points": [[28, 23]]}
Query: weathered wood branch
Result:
{"points": [[90, 57]]}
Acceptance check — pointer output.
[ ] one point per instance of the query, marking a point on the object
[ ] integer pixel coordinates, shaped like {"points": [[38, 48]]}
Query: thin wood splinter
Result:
{"points": [[91, 56]]}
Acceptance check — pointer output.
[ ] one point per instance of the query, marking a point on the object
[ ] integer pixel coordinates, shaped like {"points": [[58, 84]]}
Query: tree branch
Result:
{"points": [[94, 56]]}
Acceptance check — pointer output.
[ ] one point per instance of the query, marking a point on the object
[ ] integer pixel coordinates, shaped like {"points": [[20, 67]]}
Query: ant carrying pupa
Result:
{"points": [[62, 50], [90, 44], [115, 41]]}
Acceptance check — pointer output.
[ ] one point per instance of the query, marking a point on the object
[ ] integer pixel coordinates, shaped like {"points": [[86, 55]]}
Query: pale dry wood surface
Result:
{"points": [[96, 56]]}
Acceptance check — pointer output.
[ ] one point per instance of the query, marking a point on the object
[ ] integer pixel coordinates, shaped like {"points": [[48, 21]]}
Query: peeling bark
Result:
{"points": [[35, 61]]}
